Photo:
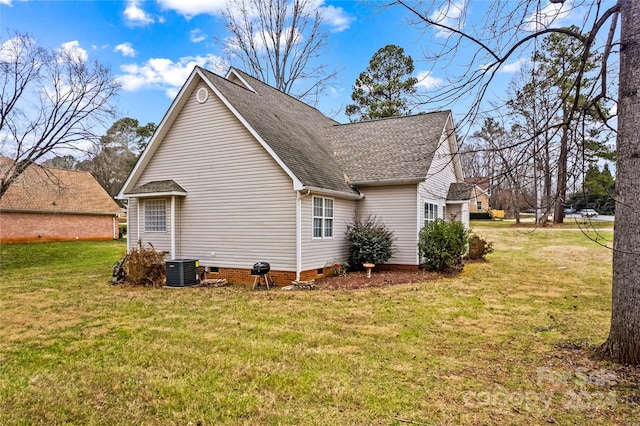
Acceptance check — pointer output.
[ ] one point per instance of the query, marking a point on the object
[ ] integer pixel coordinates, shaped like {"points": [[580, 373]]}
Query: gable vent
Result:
{"points": [[202, 95]]}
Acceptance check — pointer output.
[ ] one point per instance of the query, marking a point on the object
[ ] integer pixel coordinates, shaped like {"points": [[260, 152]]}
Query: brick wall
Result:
{"points": [[23, 227], [281, 278]]}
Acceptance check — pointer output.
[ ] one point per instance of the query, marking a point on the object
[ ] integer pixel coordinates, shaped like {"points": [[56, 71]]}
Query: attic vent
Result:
{"points": [[202, 95]]}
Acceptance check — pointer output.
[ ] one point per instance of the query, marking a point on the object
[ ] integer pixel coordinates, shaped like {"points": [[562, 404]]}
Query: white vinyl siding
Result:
{"points": [[155, 215], [433, 191], [240, 206], [396, 206], [319, 252], [322, 217]]}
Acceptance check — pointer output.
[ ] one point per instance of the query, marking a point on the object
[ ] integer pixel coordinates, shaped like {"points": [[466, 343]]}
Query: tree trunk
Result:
{"points": [[623, 344], [558, 216]]}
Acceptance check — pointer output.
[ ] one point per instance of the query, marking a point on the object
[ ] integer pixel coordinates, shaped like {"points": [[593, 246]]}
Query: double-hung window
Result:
{"points": [[430, 212], [322, 217], [155, 215]]}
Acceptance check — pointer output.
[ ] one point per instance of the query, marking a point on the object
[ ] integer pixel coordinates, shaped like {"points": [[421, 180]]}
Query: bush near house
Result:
{"points": [[442, 244], [369, 241]]}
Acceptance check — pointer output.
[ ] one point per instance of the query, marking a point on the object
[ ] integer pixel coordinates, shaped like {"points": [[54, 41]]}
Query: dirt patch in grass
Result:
{"points": [[356, 280]]}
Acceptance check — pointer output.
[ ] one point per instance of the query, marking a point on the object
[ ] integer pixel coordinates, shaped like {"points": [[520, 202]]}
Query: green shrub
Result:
{"points": [[122, 230], [442, 244], [369, 240], [478, 247]]}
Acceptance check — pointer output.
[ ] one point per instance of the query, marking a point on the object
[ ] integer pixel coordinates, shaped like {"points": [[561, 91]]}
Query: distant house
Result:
{"points": [[47, 204], [480, 195], [238, 172]]}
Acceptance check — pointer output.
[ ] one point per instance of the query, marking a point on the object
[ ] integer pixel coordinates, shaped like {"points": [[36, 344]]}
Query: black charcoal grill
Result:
{"points": [[261, 271], [260, 268]]}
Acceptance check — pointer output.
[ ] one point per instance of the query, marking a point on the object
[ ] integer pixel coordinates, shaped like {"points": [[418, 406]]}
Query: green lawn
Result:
{"points": [[498, 344]]}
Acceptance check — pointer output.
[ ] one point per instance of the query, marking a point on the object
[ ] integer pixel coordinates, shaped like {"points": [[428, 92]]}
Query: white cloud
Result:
{"points": [[427, 81], [73, 52], [136, 16], [450, 15], [6, 2], [552, 13], [336, 17], [197, 35], [191, 8], [125, 49], [164, 74], [514, 66], [10, 49]]}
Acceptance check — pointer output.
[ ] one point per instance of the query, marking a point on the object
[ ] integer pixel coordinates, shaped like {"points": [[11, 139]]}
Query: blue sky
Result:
{"points": [[153, 45]]}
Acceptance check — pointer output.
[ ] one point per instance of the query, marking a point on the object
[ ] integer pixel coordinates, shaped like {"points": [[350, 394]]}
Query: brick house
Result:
{"points": [[480, 195], [48, 204]]}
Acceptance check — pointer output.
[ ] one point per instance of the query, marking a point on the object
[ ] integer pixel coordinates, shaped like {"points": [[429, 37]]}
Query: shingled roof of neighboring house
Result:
{"points": [[481, 182], [388, 150], [58, 191]]}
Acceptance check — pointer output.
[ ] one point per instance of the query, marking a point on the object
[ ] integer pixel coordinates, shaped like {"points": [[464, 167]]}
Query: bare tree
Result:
{"points": [[507, 29], [280, 42], [50, 101]]}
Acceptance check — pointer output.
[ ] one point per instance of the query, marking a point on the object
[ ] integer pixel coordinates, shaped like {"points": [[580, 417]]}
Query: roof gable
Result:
{"points": [[58, 190], [295, 131], [315, 151]]}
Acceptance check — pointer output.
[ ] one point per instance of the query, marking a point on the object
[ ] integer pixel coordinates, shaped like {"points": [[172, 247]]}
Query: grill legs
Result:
{"points": [[258, 279]]}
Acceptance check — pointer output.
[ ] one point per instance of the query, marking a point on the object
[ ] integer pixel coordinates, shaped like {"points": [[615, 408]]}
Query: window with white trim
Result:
{"points": [[155, 215], [430, 212], [479, 205], [322, 217]]}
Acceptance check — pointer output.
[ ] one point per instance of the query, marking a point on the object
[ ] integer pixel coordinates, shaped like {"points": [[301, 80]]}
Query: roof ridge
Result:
{"points": [[283, 93], [228, 81], [395, 117]]}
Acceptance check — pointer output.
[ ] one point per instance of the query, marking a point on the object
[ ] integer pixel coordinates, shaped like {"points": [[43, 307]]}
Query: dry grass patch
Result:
{"points": [[505, 342]]}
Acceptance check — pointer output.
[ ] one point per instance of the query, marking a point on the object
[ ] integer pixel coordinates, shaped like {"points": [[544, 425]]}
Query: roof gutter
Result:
{"points": [[153, 194], [90, 213], [334, 193]]}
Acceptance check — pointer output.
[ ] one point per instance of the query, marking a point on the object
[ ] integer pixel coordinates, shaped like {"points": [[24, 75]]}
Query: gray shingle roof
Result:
{"points": [[158, 186], [460, 191], [390, 149], [320, 152], [295, 131]]}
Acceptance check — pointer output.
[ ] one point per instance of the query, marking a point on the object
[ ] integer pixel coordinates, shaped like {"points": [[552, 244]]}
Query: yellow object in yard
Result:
{"points": [[497, 214]]}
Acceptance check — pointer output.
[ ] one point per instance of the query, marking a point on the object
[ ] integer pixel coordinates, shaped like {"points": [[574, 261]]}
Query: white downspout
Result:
{"points": [[298, 235], [173, 227], [299, 198], [138, 205]]}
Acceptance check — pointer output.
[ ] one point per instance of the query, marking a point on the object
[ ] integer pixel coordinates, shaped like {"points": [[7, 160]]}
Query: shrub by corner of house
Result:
{"points": [[369, 240], [144, 266], [442, 244]]}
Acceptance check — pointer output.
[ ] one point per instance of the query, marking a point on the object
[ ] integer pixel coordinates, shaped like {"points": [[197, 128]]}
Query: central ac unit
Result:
{"points": [[181, 272]]}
